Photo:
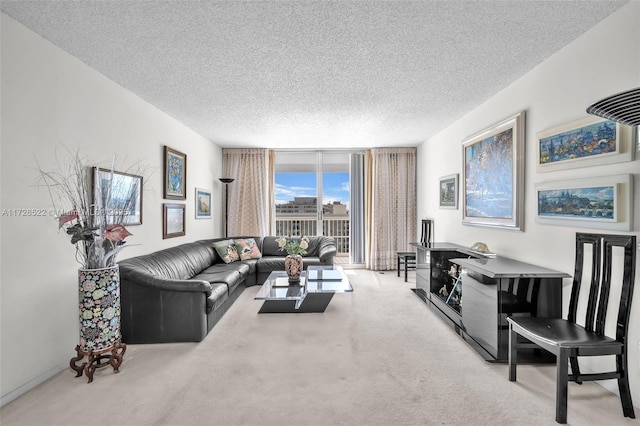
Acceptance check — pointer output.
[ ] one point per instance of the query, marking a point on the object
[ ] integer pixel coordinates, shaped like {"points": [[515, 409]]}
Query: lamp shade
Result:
{"points": [[623, 108], [226, 180]]}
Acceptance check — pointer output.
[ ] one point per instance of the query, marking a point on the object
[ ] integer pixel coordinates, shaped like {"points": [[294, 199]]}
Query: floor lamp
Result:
{"points": [[226, 182]]}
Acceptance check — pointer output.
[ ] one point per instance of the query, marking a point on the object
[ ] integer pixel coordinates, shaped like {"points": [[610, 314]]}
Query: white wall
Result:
{"points": [[603, 61], [50, 98]]}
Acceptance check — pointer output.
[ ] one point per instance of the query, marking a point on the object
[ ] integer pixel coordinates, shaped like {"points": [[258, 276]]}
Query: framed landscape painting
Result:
{"points": [[173, 220], [203, 204], [493, 175], [602, 202], [126, 195], [449, 192], [590, 141], [175, 174]]}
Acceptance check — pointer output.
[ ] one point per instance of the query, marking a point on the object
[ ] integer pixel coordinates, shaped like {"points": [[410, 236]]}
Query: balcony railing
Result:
{"points": [[338, 228]]}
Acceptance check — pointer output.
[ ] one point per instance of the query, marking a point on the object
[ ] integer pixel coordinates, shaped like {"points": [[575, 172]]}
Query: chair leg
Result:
{"points": [[398, 266], [575, 368], [623, 386], [562, 385], [406, 270], [513, 353]]}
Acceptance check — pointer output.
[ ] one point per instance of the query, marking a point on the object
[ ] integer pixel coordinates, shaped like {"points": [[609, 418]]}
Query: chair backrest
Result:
{"points": [[426, 231], [600, 280], [524, 288]]}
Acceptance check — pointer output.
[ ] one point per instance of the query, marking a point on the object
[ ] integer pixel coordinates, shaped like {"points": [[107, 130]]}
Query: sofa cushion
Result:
{"points": [[247, 248], [276, 263], [271, 263], [270, 247], [176, 263], [230, 274], [251, 277], [315, 247], [217, 297], [251, 263], [312, 261], [227, 250]]}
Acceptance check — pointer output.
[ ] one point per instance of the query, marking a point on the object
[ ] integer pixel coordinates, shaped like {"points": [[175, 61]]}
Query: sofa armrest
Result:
{"points": [[152, 281], [161, 310], [327, 250]]}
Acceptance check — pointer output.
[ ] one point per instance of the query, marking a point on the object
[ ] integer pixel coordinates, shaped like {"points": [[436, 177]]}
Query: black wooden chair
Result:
{"points": [[567, 339], [406, 259]]}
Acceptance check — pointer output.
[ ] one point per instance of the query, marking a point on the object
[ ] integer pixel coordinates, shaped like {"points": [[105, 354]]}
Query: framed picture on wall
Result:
{"points": [[449, 192], [173, 220], [125, 196], [203, 204], [604, 202], [175, 174], [493, 179], [590, 141]]}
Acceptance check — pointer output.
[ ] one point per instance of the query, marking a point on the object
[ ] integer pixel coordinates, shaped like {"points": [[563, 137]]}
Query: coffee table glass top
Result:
{"points": [[276, 285], [327, 279]]}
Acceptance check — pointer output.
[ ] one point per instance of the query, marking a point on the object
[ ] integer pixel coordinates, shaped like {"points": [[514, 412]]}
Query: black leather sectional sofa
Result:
{"points": [[178, 294]]}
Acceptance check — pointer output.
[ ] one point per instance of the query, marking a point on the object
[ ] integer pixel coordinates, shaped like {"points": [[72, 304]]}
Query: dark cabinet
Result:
{"points": [[475, 295], [437, 279]]}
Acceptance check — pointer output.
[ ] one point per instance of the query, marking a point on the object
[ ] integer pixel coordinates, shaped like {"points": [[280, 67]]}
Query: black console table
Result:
{"points": [[474, 295]]}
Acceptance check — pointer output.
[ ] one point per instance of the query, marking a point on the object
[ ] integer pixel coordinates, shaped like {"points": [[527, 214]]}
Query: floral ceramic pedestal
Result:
{"points": [[100, 339], [293, 266]]}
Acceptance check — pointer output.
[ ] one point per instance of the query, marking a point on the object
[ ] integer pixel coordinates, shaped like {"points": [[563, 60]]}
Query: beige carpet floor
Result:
{"points": [[377, 356]]}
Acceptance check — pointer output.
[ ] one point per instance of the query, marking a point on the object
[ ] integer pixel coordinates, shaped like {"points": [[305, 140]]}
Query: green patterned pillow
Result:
{"points": [[248, 249], [227, 250]]}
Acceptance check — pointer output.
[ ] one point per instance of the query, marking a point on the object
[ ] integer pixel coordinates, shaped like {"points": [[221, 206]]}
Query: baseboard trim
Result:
{"points": [[10, 396]]}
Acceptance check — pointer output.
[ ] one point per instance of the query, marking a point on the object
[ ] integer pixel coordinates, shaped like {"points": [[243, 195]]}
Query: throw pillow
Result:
{"points": [[227, 250], [248, 249]]}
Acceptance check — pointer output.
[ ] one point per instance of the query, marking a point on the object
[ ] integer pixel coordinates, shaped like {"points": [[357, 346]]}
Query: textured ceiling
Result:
{"points": [[292, 74]]}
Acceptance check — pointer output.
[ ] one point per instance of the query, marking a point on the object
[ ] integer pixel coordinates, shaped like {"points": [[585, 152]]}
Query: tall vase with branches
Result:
{"points": [[93, 215], [95, 224]]}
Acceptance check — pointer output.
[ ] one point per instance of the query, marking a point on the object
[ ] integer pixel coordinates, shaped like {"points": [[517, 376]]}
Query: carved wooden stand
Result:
{"points": [[113, 354]]}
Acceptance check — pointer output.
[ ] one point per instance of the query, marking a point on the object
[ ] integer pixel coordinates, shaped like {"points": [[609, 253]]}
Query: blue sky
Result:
{"points": [[291, 185]]}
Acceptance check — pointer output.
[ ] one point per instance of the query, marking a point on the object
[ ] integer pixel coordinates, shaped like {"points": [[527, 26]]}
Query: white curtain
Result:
{"points": [[249, 203], [357, 236], [391, 205]]}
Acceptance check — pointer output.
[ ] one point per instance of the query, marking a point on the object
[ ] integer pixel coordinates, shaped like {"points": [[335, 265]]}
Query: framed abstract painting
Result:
{"points": [[175, 174], [493, 175]]}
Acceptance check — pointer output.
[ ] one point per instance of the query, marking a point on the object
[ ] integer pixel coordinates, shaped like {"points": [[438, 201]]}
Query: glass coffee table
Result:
{"points": [[317, 286]]}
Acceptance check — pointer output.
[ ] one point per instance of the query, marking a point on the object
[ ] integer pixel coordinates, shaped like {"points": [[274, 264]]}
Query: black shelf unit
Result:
{"points": [[435, 281], [445, 283], [476, 310]]}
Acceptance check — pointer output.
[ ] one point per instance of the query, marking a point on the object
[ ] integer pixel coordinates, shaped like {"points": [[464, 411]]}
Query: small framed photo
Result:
{"points": [[449, 192], [175, 174], [173, 220], [119, 195], [203, 203]]}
